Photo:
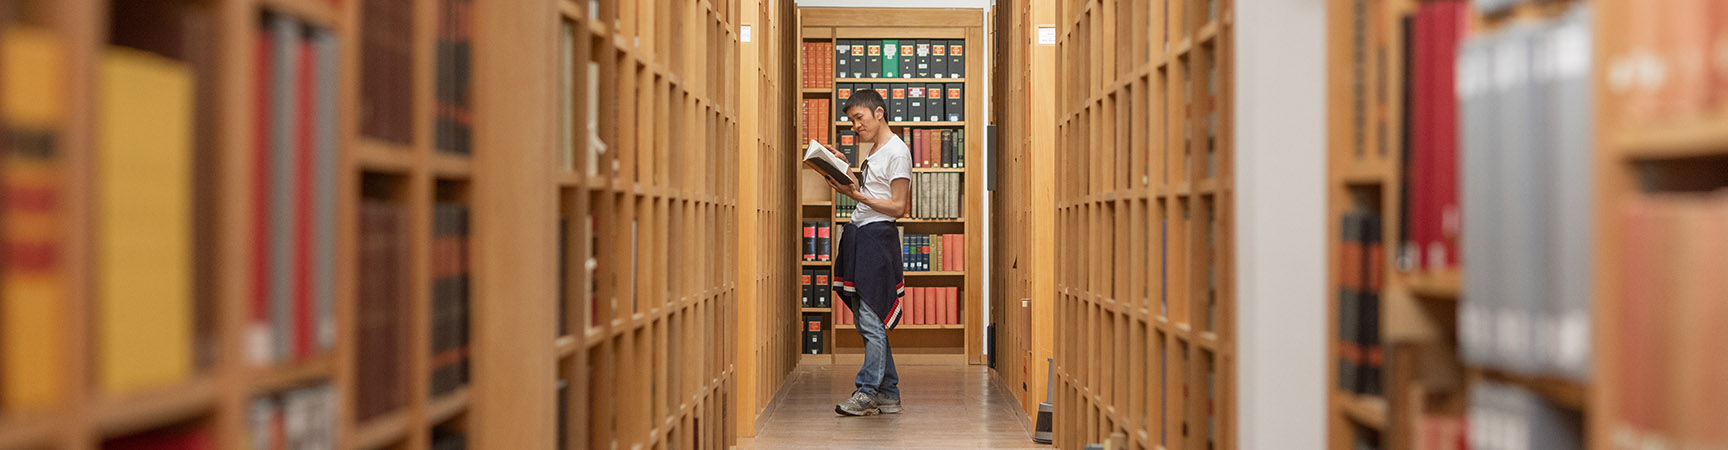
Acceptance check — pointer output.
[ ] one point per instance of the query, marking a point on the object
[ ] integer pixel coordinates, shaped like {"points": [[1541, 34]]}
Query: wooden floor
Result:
{"points": [[946, 406]]}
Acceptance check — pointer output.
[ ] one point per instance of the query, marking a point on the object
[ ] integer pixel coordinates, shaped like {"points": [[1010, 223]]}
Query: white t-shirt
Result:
{"points": [[892, 161]]}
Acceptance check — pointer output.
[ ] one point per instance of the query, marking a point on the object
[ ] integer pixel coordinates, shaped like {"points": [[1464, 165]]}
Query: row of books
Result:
{"points": [[451, 296], [816, 123], [920, 306], [936, 148], [453, 124], [1365, 439], [1528, 198], [303, 418], [933, 252], [816, 241], [1509, 417], [937, 195], [818, 291], [1670, 65], [446, 437], [817, 61], [1361, 276], [381, 332], [1672, 322], [293, 199], [812, 337], [900, 58], [844, 206], [914, 102]]}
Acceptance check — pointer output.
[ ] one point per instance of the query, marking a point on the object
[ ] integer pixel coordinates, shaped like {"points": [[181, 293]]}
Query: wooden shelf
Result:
{"points": [[565, 345], [911, 124], [816, 91], [124, 415], [1698, 137], [899, 80], [314, 11], [381, 431], [1434, 285], [449, 165], [816, 263], [909, 327], [282, 377], [817, 310], [1367, 411], [947, 273], [378, 156], [1565, 393], [815, 204], [27, 431], [445, 407]]}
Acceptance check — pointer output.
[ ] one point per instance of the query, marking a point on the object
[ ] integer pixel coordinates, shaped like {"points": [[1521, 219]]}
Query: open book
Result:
{"points": [[825, 162]]}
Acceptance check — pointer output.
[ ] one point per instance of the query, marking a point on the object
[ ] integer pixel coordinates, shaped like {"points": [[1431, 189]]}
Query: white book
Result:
{"points": [[824, 161]]}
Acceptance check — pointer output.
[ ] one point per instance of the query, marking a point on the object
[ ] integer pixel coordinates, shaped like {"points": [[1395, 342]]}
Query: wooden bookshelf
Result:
{"points": [[1424, 373], [828, 24], [768, 337], [1143, 219], [664, 368]]}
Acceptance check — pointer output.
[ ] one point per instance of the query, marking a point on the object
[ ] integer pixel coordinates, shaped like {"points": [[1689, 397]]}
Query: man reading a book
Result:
{"points": [[867, 272]]}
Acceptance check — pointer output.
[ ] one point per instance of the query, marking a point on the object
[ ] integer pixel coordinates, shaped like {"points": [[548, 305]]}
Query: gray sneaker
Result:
{"points": [[886, 405], [859, 405]]}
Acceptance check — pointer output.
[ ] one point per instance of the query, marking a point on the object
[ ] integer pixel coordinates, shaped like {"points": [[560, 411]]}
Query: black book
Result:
{"points": [[938, 59], [873, 50], [860, 61], [908, 58], [1348, 311], [809, 241], [812, 334], [1372, 356], [822, 240], [842, 93], [849, 147], [947, 144], [956, 100], [915, 102], [809, 288], [887, 93], [842, 58], [933, 105], [824, 289], [957, 59], [923, 58], [898, 103], [959, 148], [947, 156]]}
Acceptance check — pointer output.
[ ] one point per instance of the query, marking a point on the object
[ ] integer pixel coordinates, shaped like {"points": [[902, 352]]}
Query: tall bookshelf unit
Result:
{"points": [[1638, 156], [962, 343], [1144, 194], [581, 131]]}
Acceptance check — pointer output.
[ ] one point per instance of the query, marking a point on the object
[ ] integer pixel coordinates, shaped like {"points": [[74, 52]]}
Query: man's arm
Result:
{"points": [[897, 205]]}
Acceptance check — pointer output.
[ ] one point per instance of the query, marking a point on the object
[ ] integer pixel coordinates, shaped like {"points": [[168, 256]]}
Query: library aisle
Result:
{"points": [[947, 406]]}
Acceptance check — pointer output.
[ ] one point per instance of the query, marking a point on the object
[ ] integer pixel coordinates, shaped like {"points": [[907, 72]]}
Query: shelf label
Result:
{"points": [[1046, 35], [744, 33]]}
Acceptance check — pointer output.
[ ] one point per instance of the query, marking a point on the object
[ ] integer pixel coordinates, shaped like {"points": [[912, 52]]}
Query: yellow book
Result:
{"points": [[143, 222], [32, 297]]}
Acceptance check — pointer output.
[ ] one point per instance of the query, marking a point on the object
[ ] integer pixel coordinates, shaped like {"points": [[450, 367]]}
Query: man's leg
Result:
{"points": [[876, 359]]}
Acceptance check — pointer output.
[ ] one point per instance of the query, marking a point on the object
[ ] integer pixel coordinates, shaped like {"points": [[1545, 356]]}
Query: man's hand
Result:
{"points": [[849, 190]]}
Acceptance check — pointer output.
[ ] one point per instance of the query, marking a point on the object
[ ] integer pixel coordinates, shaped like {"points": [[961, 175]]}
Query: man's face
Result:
{"points": [[865, 121]]}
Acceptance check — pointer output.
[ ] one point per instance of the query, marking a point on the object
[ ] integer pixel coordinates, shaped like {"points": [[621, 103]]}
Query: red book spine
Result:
{"points": [[259, 345], [821, 239], [809, 250], [303, 315], [1446, 120]]}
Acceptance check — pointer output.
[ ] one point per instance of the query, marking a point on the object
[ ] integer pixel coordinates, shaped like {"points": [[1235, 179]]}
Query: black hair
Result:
{"points": [[867, 98]]}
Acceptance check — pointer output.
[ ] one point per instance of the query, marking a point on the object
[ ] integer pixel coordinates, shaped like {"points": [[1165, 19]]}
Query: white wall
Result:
{"points": [[1281, 224]]}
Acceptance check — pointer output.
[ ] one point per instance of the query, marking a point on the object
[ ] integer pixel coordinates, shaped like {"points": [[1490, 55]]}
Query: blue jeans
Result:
{"points": [[877, 377]]}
